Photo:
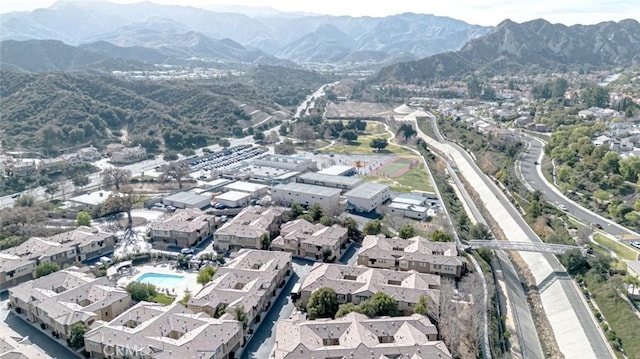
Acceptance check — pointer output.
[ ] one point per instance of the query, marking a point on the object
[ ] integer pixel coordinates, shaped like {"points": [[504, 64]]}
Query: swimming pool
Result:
{"points": [[160, 280]]}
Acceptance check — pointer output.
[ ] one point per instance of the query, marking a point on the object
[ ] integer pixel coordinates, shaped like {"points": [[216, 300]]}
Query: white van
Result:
{"points": [[105, 260]]}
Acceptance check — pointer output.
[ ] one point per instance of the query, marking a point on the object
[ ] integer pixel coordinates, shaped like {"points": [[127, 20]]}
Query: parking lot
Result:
{"points": [[224, 158]]}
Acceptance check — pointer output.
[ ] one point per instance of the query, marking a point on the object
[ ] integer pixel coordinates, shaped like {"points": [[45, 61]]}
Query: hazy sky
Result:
{"points": [[483, 12]]}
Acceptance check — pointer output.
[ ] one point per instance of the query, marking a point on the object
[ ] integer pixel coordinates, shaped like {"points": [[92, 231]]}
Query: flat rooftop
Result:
{"points": [[187, 197], [245, 186], [308, 188], [343, 180], [366, 190], [336, 170], [233, 196], [93, 198]]}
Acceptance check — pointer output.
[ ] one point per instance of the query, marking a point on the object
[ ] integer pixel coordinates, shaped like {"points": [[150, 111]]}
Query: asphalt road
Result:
{"points": [[599, 346], [532, 174]]}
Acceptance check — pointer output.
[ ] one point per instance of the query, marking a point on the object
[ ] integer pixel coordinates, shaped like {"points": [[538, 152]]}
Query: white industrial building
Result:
{"points": [[187, 200], [339, 170], [292, 163], [254, 189], [305, 194], [409, 210], [234, 199], [367, 197], [319, 179]]}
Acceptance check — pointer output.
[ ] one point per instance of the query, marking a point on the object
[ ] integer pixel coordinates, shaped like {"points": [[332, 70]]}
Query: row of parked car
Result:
{"points": [[225, 158]]}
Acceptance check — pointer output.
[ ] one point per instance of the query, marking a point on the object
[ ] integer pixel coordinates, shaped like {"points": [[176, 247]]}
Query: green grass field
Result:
{"points": [[414, 179], [362, 147], [621, 250]]}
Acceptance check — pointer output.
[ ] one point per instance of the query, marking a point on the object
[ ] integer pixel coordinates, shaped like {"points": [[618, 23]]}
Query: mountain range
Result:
{"points": [[261, 38], [532, 46]]}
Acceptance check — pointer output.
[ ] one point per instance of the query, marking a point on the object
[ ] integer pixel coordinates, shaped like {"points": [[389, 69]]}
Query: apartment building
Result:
{"points": [[57, 301], [356, 284], [251, 280], [246, 229], [314, 241], [416, 253], [356, 336], [186, 228], [151, 330], [17, 264]]}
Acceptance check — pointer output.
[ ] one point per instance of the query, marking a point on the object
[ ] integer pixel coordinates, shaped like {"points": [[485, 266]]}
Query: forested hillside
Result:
{"points": [[55, 110]]}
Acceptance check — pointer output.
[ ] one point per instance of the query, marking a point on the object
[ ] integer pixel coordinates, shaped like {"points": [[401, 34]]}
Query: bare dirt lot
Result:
{"points": [[358, 109]]}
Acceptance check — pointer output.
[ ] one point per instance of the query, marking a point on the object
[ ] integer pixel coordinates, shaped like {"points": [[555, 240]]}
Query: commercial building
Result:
{"points": [[89, 154], [256, 190], [314, 241], [17, 264], [234, 199], [22, 168], [129, 155], [89, 201], [246, 229], [152, 330], [318, 179], [185, 229], [357, 284], [367, 197], [409, 210], [59, 300], [413, 254], [356, 336], [187, 200], [252, 280], [305, 194], [291, 163], [339, 170]]}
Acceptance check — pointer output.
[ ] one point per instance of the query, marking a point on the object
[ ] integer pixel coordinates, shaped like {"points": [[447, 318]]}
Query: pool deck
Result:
{"points": [[189, 283]]}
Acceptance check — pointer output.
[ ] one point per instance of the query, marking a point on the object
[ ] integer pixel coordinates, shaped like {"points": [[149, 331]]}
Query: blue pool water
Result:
{"points": [[160, 280]]}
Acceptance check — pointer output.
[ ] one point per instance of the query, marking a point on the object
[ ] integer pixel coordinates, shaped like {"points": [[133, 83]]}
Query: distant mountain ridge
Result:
{"points": [[513, 47], [295, 37]]}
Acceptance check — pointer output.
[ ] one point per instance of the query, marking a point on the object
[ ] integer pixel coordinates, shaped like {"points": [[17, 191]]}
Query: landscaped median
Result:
{"points": [[623, 251]]}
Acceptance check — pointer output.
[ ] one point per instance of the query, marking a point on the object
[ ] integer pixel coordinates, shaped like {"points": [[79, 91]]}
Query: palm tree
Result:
{"points": [[240, 315]]}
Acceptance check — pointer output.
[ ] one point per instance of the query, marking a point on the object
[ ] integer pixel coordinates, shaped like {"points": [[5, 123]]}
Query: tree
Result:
{"points": [[46, 268], [378, 143], [285, 148], [174, 170], [315, 211], [141, 291], [76, 335], [595, 96], [347, 308], [83, 219], [296, 210], [303, 132], [349, 135], [479, 231], [121, 202], [441, 236], [422, 306], [240, 315], [51, 190], [116, 177], [327, 221], [474, 87], [372, 227], [258, 136], [384, 304], [352, 227], [224, 143], [26, 200], [81, 181], [323, 303], [406, 131], [273, 137], [206, 274], [407, 231], [265, 241], [574, 262]]}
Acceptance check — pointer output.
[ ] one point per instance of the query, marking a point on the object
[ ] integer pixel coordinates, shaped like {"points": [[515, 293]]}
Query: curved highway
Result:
{"points": [[529, 167], [575, 329]]}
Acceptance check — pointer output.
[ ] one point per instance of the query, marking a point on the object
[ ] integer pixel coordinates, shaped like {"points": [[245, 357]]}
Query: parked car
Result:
{"points": [[187, 251], [563, 207], [596, 225]]}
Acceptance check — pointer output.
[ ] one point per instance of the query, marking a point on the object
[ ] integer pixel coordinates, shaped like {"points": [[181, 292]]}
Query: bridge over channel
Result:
{"points": [[524, 246]]}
